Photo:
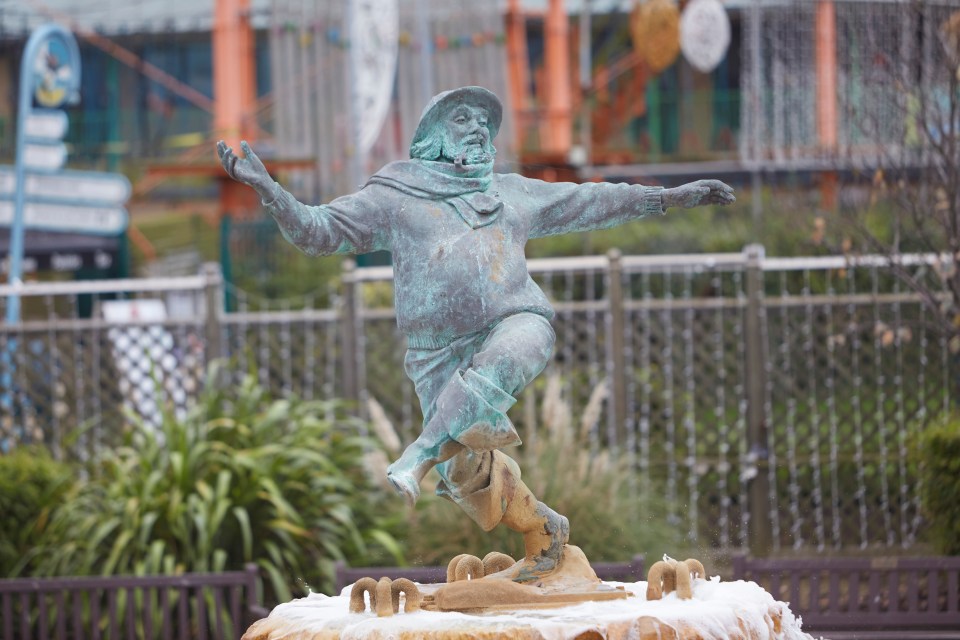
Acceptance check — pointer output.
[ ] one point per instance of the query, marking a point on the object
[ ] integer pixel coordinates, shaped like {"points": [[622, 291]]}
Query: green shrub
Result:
{"points": [[940, 475], [242, 478], [32, 484]]}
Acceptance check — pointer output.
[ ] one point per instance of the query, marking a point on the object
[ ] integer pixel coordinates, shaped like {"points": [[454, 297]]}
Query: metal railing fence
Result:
{"points": [[773, 401], [218, 606]]}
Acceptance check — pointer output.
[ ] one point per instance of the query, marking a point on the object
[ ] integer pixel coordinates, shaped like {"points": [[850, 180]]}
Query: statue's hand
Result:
{"points": [[248, 170], [695, 194]]}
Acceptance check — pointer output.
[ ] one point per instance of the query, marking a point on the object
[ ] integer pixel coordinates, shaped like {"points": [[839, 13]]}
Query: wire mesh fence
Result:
{"points": [[774, 400]]}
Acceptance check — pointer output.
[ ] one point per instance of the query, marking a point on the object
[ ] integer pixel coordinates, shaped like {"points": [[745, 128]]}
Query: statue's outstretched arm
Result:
{"points": [[350, 224]]}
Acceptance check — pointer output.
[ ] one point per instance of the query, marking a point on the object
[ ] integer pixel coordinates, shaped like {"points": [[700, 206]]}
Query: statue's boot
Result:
{"points": [[469, 413], [545, 532]]}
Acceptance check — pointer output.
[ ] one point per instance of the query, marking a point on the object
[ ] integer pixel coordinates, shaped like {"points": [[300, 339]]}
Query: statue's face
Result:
{"points": [[466, 139]]}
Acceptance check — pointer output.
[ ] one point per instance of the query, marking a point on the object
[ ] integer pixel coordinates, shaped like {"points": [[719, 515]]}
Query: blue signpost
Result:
{"points": [[52, 51], [38, 193]]}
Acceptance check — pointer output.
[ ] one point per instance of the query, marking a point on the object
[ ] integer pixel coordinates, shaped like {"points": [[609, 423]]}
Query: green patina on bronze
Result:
{"points": [[478, 327]]}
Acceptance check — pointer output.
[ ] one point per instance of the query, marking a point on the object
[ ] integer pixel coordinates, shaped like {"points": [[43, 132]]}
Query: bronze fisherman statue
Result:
{"points": [[478, 327]]}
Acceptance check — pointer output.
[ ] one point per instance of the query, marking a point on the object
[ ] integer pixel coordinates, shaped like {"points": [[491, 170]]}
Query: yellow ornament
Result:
{"points": [[655, 30]]}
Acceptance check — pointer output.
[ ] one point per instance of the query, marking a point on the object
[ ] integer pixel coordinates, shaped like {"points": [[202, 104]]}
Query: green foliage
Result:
{"points": [[789, 226], [940, 473], [242, 478], [610, 519], [32, 484]]}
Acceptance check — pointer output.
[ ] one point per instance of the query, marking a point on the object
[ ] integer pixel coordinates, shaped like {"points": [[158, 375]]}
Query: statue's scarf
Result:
{"points": [[463, 187]]}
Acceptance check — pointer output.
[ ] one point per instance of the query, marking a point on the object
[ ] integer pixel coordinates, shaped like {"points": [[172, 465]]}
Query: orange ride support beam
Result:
{"points": [[234, 94], [518, 72], [556, 134], [826, 61]]}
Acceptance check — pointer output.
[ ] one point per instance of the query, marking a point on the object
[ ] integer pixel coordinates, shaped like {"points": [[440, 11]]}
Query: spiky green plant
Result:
{"points": [[241, 478]]}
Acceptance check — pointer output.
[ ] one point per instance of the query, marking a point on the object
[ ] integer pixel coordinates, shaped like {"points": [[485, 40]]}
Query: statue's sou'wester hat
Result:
{"points": [[474, 96]]}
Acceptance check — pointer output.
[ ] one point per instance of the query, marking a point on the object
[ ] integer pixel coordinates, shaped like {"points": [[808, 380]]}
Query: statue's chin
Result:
{"points": [[467, 157], [473, 158]]}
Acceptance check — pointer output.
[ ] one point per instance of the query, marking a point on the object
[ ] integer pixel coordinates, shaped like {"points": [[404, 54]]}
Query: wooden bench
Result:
{"points": [[876, 598], [206, 606], [631, 571]]}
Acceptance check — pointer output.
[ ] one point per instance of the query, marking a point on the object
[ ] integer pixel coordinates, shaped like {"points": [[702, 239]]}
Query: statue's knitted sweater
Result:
{"points": [[457, 237]]}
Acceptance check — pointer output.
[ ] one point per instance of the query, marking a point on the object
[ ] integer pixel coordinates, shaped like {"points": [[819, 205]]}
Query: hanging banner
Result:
{"points": [[374, 40], [704, 34]]}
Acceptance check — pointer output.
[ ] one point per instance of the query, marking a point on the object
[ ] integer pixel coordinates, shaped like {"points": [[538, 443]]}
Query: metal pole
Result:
{"points": [[756, 204], [426, 52], [355, 156], [617, 367], [348, 327], [755, 105], [213, 294], [756, 384], [756, 81], [586, 79], [556, 130]]}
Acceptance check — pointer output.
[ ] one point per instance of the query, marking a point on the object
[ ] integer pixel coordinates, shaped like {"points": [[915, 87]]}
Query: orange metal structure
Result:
{"points": [[518, 73], [826, 61], [556, 134], [234, 93]]}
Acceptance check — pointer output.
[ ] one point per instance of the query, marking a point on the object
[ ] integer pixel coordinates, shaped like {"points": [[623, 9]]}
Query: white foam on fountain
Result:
{"points": [[714, 612]]}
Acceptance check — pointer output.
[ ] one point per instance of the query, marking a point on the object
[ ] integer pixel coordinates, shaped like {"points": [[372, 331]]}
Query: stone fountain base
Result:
{"points": [[491, 608]]}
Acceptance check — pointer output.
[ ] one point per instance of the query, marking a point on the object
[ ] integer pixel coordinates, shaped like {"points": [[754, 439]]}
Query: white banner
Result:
{"points": [[374, 39]]}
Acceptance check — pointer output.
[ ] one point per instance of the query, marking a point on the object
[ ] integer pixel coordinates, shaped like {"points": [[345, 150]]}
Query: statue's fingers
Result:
{"points": [[724, 198], [225, 161], [230, 163], [221, 149]]}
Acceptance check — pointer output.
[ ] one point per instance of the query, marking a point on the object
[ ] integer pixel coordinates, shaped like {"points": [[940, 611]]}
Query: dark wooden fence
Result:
{"points": [[864, 597], [203, 606]]}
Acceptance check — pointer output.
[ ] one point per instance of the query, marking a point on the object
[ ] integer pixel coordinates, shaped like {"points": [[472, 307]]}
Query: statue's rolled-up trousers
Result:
{"points": [[465, 390]]}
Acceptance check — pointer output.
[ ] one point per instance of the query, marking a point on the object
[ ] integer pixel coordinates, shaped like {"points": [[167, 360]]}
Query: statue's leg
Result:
{"points": [[467, 404], [470, 410], [430, 370], [544, 531], [487, 486]]}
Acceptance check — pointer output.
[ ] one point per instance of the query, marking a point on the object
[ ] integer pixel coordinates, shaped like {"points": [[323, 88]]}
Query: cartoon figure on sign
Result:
{"points": [[478, 327], [53, 74]]}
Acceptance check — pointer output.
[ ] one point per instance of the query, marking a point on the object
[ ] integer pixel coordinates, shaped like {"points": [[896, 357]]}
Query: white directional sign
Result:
{"points": [[59, 216], [44, 157], [103, 188], [47, 125]]}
